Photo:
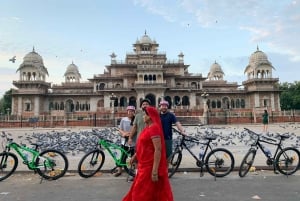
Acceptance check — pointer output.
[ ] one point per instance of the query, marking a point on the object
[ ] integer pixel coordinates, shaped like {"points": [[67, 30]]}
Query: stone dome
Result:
{"points": [[145, 39], [72, 73], [72, 69], [259, 57], [215, 67], [216, 72], [259, 66], [34, 61]]}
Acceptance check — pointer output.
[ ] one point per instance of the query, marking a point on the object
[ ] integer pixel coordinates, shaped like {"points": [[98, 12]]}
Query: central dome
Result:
{"points": [[146, 39]]}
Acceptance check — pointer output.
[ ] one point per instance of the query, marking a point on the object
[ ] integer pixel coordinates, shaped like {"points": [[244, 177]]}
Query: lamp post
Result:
{"points": [[8, 112], [205, 107], [113, 98]]}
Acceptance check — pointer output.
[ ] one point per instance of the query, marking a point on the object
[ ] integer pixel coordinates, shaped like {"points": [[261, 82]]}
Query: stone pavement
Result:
{"points": [[188, 163]]}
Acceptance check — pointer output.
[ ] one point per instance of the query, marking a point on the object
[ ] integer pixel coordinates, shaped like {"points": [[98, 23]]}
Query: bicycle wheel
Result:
{"points": [[51, 164], [219, 162], [173, 162], [247, 162], [91, 163], [287, 161], [8, 164]]}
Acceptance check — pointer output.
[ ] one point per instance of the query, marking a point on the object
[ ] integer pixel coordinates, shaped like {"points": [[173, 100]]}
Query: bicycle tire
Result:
{"points": [[288, 161], [222, 161], [174, 162], [7, 165], [91, 163], [52, 164], [247, 162]]}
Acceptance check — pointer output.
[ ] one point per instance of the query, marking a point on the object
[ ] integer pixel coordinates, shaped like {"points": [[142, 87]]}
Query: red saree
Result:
{"points": [[143, 188]]}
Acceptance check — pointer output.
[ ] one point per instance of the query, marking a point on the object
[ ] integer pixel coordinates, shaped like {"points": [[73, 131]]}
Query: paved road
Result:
{"points": [[262, 185]]}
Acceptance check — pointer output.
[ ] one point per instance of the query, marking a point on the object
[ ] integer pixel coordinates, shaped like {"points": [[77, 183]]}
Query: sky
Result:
{"points": [[87, 32]]}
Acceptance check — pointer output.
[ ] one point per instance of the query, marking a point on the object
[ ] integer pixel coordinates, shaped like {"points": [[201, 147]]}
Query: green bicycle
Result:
{"points": [[49, 164], [93, 161]]}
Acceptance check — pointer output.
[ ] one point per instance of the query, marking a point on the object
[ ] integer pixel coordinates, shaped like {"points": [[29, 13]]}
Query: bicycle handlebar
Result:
{"points": [[259, 135]]}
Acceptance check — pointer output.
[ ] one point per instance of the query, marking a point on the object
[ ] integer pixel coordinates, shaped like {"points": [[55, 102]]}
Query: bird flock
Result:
{"points": [[73, 142]]}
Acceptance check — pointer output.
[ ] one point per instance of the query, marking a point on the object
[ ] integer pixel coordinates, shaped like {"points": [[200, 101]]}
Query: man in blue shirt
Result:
{"points": [[167, 120]]}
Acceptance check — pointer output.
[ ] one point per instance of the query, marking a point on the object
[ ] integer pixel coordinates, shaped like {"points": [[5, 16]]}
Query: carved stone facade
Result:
{"points": [[145, 73]]}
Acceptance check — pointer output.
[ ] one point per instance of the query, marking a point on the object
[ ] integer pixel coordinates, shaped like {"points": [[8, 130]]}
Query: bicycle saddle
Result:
{"points": [[210, 137]]}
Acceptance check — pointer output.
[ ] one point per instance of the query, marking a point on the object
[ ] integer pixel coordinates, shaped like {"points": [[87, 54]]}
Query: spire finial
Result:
{"points": [[33, 50], [257, 48], [145, 32]]}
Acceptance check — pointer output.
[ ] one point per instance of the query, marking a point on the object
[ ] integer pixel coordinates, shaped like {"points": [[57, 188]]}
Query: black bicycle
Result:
{"points": [[285, 160], [219, 162]]}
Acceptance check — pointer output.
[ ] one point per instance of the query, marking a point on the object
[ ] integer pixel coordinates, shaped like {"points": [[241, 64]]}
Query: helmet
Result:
{"points": [[164, 102], [130, 107], [145, 100]]}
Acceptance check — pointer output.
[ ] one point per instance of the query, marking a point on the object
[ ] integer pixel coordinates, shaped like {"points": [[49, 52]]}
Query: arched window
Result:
{"points": [[219, 104], [213, 104], [185, 101], [238, 103], [243, 103]]}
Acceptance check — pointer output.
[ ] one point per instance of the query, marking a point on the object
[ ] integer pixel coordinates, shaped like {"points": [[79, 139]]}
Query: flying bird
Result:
{"points": [[13, 59]]}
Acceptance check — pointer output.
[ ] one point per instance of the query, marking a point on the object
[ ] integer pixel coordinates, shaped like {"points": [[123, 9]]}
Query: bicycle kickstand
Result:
{"points": [[201, 172], [41, 180]]}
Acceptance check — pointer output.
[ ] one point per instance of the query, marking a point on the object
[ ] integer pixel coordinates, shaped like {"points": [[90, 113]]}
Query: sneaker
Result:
{"points": [[130, 178], [116, 174]]}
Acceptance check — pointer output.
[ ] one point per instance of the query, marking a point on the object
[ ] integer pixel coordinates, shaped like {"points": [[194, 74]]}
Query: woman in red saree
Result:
{"points": [[151, 182]]}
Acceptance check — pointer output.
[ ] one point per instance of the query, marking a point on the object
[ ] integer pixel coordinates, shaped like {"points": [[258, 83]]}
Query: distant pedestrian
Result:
{"points": [[265, 121]]}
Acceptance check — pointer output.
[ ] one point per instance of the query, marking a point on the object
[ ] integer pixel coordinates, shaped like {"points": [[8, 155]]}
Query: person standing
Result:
{"points": [[167, 120], [265, 121], [124, 129], [151, 182], [138, 124]]}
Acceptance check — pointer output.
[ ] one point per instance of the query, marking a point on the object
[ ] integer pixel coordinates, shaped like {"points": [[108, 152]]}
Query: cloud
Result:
{"points": [[275, 24]]}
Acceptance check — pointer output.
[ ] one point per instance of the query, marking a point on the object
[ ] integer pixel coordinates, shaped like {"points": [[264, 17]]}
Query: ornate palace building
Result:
{"points": [[145, 73]]}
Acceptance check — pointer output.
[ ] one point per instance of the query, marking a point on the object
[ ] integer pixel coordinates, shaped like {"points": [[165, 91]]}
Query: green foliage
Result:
{"points": [[290, 96], [5, 102]]}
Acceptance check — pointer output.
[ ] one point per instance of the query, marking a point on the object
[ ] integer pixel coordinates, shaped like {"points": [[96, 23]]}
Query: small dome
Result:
{"points": [[72, 73], [72, 69], [216, 68], [216, 72]]}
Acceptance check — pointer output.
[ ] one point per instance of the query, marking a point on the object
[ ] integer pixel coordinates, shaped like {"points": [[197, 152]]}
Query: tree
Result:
{"points": [[5, 102], [290, 96]]}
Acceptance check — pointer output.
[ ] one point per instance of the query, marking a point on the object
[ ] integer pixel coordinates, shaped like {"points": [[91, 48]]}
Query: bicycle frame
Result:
{"points": [[110, 146], [34, 154], [257, 145], [208, 147]]}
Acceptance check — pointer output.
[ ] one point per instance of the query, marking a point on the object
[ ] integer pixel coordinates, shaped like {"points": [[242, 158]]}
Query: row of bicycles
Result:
{"points": [[52, 164]]}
